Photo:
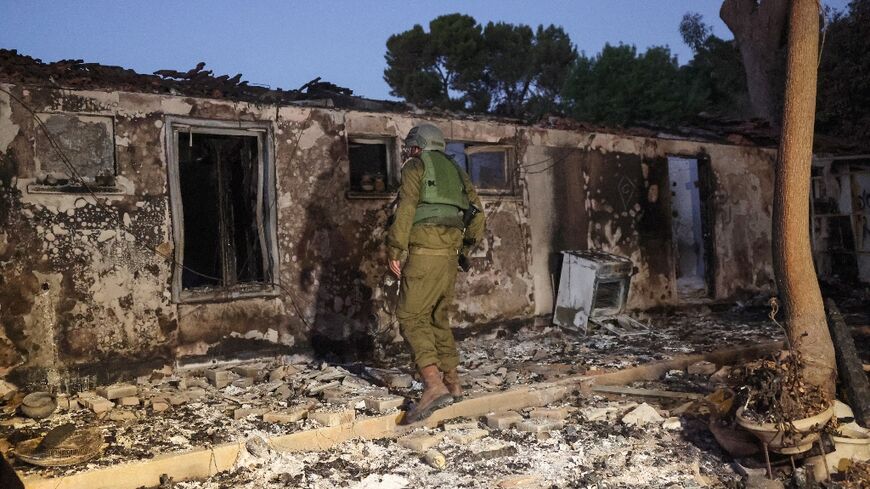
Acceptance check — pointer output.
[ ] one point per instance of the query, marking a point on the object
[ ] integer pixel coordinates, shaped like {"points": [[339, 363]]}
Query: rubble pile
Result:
{"points": [[175, 409], [557, 446]]}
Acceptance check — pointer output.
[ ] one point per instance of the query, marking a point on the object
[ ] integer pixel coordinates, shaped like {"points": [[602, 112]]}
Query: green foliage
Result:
{"points": [[502, 68], [716, 72], [843, 103], [620, 86]]}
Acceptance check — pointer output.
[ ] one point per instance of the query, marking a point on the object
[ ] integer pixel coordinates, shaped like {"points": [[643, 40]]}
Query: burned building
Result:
{"points": [[218, 214]]}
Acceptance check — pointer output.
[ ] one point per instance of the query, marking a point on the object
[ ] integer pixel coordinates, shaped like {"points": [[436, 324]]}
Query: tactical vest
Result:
{"points": [[442, 192]]}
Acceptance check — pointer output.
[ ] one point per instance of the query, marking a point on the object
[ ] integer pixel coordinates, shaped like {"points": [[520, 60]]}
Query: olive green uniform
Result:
{"points": [[429, 274]]}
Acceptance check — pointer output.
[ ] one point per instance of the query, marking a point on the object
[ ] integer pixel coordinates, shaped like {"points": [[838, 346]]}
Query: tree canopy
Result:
{"points": [[515, 70], [502, 68]]}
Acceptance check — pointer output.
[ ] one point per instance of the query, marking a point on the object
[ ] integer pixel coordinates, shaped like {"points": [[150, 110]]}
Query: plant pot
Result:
{"points": [[38, 405], [800, 438]]}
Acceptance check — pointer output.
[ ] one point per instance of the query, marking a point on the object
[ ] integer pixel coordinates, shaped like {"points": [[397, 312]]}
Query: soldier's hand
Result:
{"points": [[396, 268]]}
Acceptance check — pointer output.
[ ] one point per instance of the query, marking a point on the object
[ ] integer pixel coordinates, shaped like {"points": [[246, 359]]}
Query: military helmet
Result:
{"points": [[425, 136]]}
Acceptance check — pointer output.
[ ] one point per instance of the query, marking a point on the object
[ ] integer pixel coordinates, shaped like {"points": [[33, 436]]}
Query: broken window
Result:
{"points": [[372, 165], [489, 166], [223, 216]]}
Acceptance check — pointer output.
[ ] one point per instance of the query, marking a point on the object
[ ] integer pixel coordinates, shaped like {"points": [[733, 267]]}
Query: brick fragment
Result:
{"points": [[557, 414], [129, 401], [159, 405], [384, 404], [333, 418], [95, 403], [218, 378], [503, 421], [117, 391], [289, 416]]}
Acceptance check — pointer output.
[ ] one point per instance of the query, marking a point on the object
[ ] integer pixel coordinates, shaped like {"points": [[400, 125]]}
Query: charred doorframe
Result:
{"points": [[177, 127], [706, 192]]}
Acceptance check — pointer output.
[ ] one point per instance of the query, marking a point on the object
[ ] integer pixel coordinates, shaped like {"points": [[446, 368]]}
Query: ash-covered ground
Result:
{"points": [[179, 409]]}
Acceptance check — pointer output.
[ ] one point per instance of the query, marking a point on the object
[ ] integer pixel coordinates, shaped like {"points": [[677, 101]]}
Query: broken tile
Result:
{"points": [[420, 442], [243, 383], [642, 415], [116, 391], [503, 421], [702, 368], [383, 404], [333, 418], [129, 401], [159, 405]]}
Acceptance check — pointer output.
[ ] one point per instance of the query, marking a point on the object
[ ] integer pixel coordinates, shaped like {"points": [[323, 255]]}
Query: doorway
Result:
{"points": [[687, 227]]}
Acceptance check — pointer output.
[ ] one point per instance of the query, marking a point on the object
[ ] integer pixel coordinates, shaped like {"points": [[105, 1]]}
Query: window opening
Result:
{"points": [[221, 214], [488, 166], [371, 165]]}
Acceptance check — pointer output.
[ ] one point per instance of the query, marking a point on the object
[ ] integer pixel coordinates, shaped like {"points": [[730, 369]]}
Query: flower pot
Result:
{"points": [[797, 439]]}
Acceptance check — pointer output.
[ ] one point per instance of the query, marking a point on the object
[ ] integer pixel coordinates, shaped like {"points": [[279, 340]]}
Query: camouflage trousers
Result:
{"points": [[426, 294]]}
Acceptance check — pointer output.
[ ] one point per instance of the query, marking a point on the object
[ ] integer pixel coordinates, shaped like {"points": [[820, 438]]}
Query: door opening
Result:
{"points": [[687, 228]]}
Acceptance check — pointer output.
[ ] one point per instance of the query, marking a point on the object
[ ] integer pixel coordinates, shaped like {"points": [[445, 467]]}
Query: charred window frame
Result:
{"points": [[254, 275], [491, 167], [372, 166]]}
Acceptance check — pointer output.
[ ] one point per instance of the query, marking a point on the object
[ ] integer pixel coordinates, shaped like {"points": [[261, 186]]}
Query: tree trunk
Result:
{"points": [[758, 28], [792, 257]]}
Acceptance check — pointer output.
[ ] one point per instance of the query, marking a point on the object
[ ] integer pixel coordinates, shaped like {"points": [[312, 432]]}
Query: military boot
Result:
{"points": [[453, 384], [435, 395]]}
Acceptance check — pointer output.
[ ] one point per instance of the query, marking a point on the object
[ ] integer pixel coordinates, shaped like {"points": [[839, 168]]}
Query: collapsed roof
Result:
{"points": [[199, 82]]}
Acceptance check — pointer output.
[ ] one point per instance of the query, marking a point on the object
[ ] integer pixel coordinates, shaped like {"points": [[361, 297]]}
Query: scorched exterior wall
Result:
{"points": [[80, 286]]}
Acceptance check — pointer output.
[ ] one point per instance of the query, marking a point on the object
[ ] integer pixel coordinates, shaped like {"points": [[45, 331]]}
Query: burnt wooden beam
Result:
{"points": [[849, 365]]}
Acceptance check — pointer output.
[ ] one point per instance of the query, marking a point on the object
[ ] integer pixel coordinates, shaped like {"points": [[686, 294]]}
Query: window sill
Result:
{"points": [[355, 195], [209, 294], [75, 189]]}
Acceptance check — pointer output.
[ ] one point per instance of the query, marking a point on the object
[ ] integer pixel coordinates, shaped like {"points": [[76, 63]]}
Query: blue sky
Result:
{"points": [[286, 43]]}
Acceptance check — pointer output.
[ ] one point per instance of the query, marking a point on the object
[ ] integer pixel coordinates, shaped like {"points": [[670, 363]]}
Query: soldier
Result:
{"points": [[437, 221]]}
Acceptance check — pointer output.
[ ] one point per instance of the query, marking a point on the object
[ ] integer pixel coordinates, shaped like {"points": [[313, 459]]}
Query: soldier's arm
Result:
{"points": [[409, 197], [474, 231]]}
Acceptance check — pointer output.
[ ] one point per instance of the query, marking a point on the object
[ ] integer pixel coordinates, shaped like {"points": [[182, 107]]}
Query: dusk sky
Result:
{"points": [[285, 44]]}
